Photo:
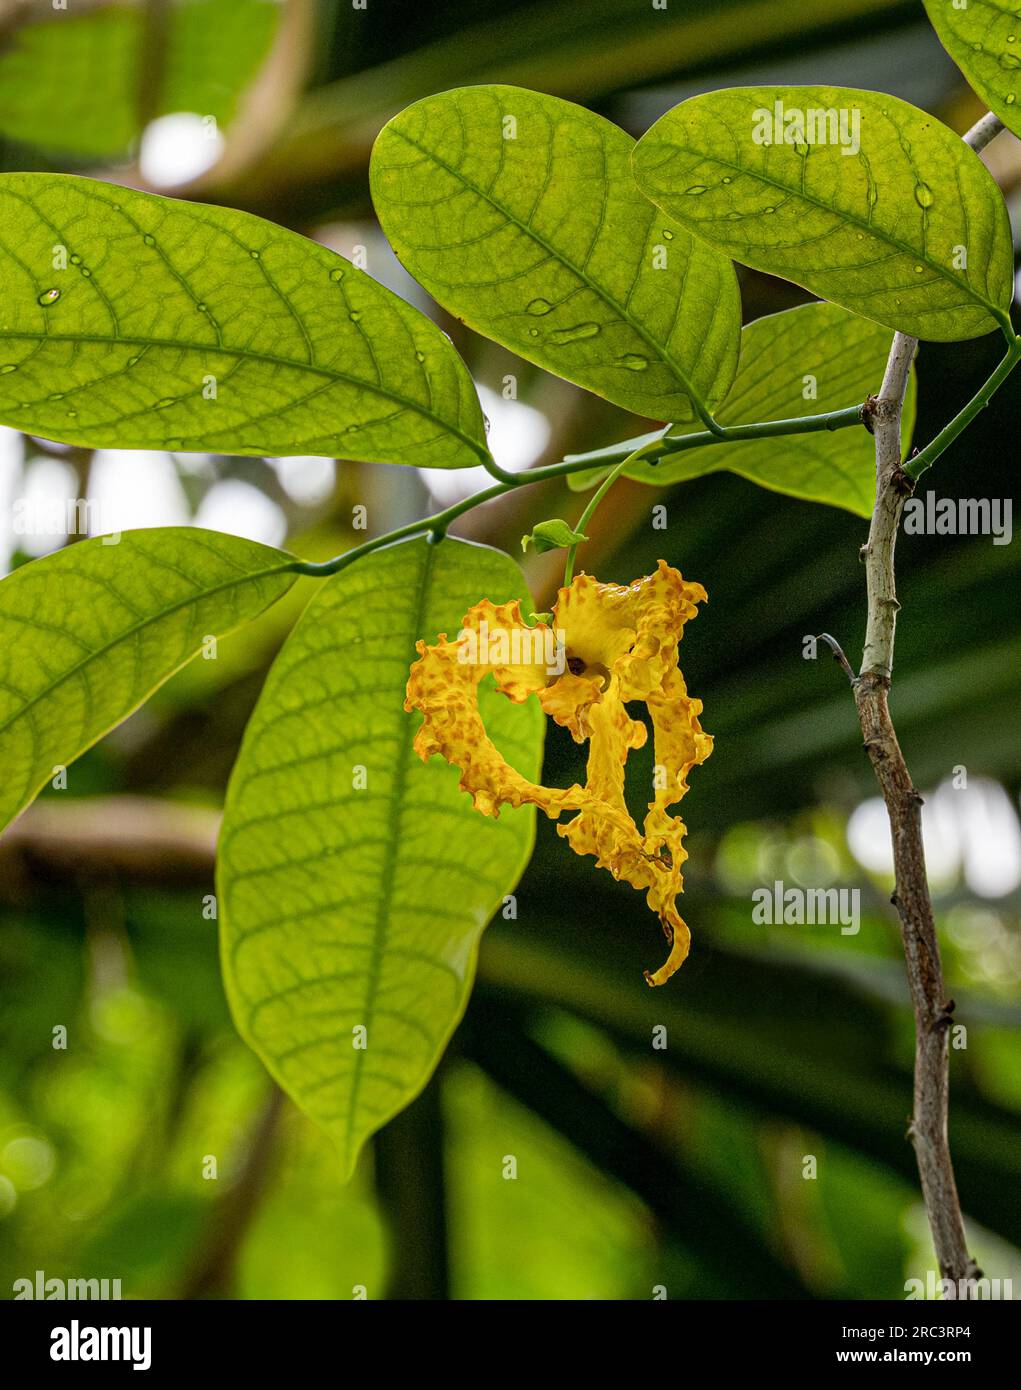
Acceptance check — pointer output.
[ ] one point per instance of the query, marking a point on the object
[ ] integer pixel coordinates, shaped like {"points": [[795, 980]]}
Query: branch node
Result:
{"points": [[900, 482], [868, 413], [944, 1018]]}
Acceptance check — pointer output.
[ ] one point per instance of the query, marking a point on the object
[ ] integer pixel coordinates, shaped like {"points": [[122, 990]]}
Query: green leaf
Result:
{"points": [[88, 633], [207, 54], [182, 326], [346, 905], [518, 212], [551, 535], [983, 40], [782, 356], [885, 231]]}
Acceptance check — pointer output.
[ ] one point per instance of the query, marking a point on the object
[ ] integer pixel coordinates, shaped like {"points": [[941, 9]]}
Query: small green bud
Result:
{"points": [[551, 535]]}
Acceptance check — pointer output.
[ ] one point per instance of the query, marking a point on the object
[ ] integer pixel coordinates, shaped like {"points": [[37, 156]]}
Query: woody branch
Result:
{"points": [[911, 897]]}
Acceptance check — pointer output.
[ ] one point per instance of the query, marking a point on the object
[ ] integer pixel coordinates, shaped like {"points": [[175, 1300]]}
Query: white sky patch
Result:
{"points": [[178, 148], [991, 836], [196, 465], [973, 828], [307, 479], [240, 509], [40, 512], [132, 489], [12, 452], [518, 434]]}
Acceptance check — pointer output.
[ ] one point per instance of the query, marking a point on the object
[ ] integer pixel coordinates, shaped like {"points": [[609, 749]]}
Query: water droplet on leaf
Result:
{"points": [[634, 362], [924, 195], [695, 189], [539, 306], [574, 334], [49, 297]]}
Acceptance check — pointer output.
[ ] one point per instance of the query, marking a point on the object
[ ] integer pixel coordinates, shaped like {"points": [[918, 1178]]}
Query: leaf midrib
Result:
{"points": [[389, 868], [657, 349], [853, 219], [269, 359]]}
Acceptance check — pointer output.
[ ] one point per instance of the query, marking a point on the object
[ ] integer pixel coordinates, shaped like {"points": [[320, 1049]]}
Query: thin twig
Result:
{"points": [[838, 656], [928, 1129]]}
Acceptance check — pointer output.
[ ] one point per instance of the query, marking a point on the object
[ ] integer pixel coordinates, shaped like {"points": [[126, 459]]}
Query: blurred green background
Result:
{"points": [[637, 1168]]}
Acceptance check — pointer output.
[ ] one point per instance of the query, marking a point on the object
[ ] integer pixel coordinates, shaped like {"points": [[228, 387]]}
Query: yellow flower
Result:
{"points": [[617, 644]]}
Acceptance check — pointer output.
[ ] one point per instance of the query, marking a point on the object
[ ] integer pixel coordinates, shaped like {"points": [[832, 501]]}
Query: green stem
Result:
{"points": [[434, 526], [916, 466], [650, 448], [586, 515]]}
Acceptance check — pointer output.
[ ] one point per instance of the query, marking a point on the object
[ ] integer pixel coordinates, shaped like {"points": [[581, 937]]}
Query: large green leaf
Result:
{"points": [[909, 230], [199, 58], [188, 327], [782, 356], [347, 905], [518, 212], [983, 39], [86, 634]]}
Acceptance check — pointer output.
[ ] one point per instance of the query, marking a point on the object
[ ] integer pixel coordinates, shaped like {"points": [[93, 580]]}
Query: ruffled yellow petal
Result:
{"points": [[618, 644], [443, 684], [568, 700]]}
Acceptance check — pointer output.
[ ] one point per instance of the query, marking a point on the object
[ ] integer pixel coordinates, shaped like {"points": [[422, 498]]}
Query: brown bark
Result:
{"points": [[933, 1010]]}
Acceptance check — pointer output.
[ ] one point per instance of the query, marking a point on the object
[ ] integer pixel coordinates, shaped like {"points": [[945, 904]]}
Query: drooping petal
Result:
{"points": [[621, 646], [443, 685]]}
